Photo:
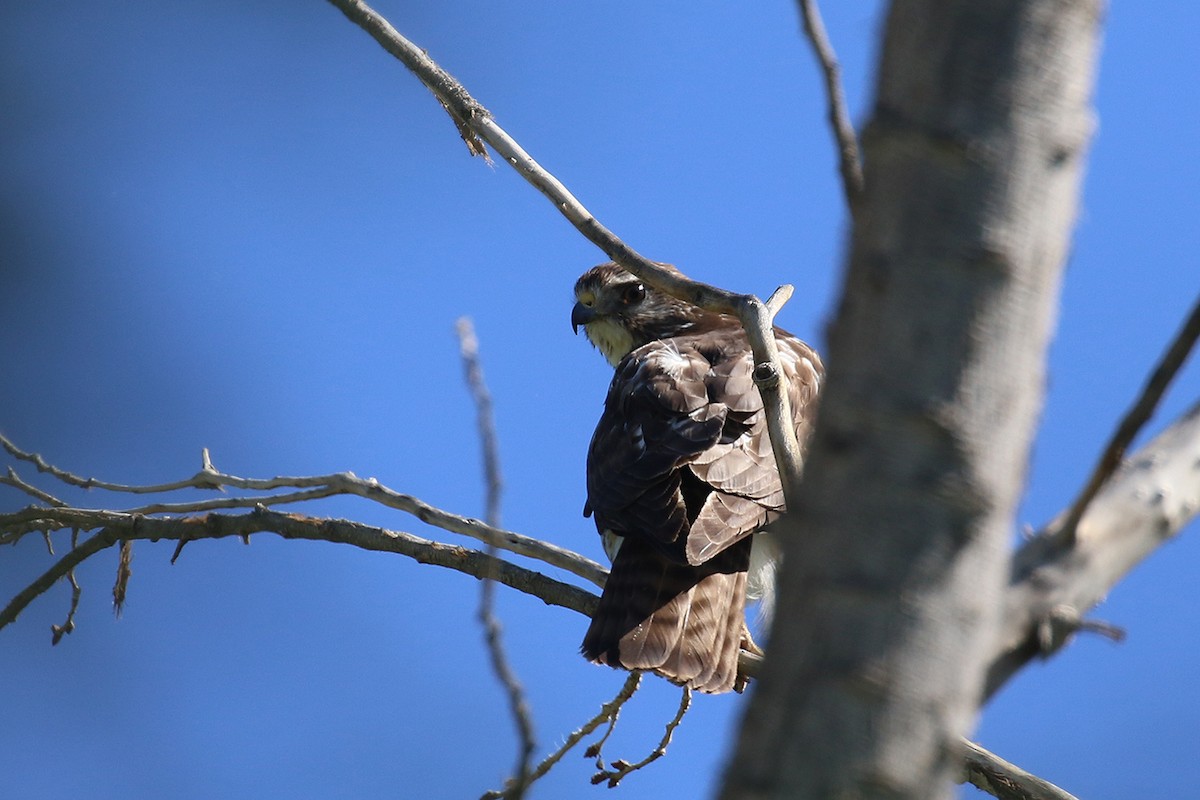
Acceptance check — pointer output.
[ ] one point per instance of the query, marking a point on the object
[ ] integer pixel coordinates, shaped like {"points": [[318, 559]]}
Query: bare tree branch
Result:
{"points": [[14, 480], [999, 778], [1134, 420], [197, 481], [518, 706], [65, 566], [1054, 582], [116, 526], [754, 315], [316, 487], [849, 164]]}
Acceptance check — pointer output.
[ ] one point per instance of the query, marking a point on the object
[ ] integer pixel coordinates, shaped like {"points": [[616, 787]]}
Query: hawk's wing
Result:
{"points": [[657, 415], [681, 467], [681, 454]]}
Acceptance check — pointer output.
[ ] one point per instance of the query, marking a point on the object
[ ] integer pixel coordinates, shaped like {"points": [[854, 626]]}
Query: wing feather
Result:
{"points": [[681, 471]]}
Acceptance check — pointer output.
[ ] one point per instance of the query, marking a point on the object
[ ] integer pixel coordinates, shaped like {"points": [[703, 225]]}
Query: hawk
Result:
{"points": [[680, 473]]}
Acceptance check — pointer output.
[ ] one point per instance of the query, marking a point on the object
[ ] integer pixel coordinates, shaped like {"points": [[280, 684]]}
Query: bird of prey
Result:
{"points": [[680, 474]]}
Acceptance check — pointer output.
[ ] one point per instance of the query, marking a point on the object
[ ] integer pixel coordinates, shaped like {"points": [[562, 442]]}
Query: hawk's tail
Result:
{"points": [[681, 621]]}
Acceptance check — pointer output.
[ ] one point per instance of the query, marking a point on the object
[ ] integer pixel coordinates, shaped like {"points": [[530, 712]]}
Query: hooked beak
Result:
{"points": [[581, 315]]}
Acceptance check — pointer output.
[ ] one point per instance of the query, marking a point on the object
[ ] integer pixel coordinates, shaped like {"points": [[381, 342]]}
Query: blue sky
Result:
{"points": [[242, 226]]}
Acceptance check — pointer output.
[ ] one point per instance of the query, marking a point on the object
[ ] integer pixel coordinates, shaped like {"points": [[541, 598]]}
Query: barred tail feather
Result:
{"points": [[681, 621]]}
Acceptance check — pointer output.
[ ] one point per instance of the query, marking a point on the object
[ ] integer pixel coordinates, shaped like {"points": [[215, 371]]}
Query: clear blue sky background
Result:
{"points": [[243, 226]]}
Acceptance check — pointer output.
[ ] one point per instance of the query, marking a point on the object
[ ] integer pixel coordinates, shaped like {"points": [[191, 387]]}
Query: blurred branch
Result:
{"points": [[116, 526], [518, 706], [468, 345], [849, 163], [475, 123], [1133, 421]]}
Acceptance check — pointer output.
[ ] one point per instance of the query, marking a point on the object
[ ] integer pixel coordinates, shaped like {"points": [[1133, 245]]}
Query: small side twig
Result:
{"points": [[81, 482], [64, 566], [493, 631], [14, 480], [622, 768], [1133, 421], [849, 160], [58, 631]]}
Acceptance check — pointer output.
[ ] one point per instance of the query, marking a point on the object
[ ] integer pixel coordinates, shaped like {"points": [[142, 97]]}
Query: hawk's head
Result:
{"points": [[619, 313]]}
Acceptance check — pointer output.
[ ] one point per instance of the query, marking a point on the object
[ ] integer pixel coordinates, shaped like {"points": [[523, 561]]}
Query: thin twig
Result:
{"points": [[493, 631], [622, 768], [1135, 418], [64, 566], [195, 482], [14, 480], [992, 774], [849, 160], [751, 312], [58, 631], [608, 712], [219, 503]]}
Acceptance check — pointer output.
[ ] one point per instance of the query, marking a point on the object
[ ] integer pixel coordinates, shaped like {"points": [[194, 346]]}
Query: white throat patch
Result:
{"points": [[610, 338]]}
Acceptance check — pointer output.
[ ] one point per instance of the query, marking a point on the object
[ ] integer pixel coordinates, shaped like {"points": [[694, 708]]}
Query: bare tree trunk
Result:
{"points": [[898, 552]]}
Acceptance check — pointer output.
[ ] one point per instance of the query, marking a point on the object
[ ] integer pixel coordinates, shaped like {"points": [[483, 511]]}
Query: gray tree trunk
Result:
{"points": [[896, 557]]}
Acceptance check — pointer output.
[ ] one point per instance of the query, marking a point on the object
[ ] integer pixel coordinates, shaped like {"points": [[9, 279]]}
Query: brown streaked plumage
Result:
{"points": [[680, 473]]}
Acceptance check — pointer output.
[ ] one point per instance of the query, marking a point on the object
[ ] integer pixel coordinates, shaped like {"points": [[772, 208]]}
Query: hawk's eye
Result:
{"points": [[633, 294]]}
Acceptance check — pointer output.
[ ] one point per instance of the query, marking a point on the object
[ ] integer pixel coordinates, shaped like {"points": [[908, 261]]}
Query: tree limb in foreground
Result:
{"points": [[974, 153]]}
